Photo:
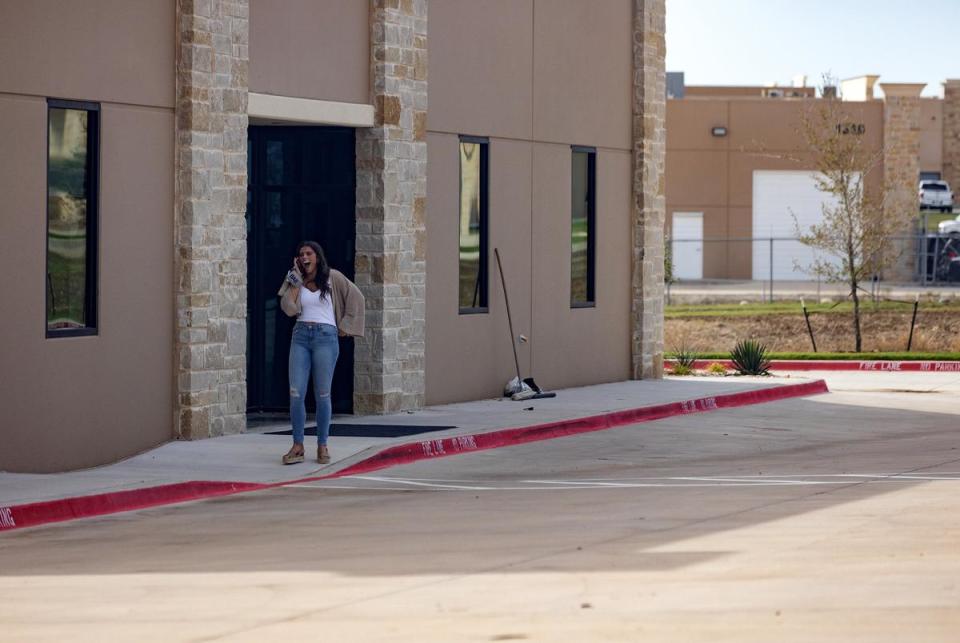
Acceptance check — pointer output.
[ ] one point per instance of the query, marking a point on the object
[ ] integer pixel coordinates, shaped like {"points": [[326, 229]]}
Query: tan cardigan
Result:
{"points": [[348, 303]]}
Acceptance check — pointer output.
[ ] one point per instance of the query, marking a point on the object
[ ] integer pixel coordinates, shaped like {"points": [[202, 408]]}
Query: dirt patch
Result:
{"points": [[881, 331]]}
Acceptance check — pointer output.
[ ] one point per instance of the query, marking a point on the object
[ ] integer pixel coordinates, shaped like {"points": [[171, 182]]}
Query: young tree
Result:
{"points": [[856, 229]]}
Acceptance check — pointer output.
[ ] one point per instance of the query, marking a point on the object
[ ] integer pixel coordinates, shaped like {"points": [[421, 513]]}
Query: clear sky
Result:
{"points": [[755, 42]]}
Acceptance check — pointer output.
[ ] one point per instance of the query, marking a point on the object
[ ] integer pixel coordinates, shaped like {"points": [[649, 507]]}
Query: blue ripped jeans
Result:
{"points": [[314, 347]]}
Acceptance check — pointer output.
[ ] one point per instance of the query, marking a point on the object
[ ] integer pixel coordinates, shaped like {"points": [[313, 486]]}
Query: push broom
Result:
{"points": [[528, 389]]}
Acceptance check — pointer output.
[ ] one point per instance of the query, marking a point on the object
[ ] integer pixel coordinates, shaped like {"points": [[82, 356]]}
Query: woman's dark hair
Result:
{"points": [[322, 279]]}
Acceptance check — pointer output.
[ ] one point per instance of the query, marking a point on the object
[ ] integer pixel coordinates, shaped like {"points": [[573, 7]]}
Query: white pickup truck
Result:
{"points": [[935, 195]]}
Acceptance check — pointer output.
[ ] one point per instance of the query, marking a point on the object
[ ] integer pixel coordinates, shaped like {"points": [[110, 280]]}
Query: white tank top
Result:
{"points": [[316, 308]]}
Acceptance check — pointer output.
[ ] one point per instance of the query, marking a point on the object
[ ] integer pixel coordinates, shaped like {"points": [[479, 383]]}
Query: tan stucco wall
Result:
{"points": [[931, 135], [580, 346], [77, 402], [714, 175], [496, 69], [582, 72], [484, 57], [469, 356], [742, 91], [310, 49], [481, 65], [105, 50]]}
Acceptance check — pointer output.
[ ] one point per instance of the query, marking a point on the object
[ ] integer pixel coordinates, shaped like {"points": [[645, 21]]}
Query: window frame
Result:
{"points": [[91, 268], [484, 214], [591, 300]]}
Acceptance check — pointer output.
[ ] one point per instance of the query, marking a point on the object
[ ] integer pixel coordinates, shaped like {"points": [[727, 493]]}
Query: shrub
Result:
{"points": [[716, 368], [685, 357], [681, 369], [750, 358]]}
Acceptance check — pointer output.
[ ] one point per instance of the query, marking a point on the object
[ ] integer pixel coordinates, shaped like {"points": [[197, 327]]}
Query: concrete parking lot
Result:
{"points": [[829, 518]]}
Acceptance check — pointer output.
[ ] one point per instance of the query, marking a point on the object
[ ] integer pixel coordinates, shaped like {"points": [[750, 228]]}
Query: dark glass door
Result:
{"points": [[302, 185]]}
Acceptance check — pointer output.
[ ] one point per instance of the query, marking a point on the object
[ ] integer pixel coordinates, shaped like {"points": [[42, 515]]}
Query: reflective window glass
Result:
{"points": [[472, 225], [71, 220], [582, 228]]}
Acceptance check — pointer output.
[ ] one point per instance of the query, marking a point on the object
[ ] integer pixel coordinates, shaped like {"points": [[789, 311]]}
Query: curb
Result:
{"points": [[60, 510], [40, 513], [840, 365]]}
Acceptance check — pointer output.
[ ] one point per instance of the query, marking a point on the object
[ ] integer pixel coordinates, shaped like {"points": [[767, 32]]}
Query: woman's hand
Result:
{"points": [[294, 276]]}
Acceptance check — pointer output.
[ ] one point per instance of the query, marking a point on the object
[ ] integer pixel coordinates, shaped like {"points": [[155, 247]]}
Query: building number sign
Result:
{"points": [[855, 129]]}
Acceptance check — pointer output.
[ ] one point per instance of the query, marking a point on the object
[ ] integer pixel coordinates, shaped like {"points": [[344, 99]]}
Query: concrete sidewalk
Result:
{"points": [[255, 457]]}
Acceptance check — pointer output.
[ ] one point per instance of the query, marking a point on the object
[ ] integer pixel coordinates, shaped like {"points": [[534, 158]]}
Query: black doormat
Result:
{"points": [[369, 430]]}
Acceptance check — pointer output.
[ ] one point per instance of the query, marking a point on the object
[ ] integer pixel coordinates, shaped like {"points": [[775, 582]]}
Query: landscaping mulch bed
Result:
{"points": [[936, 330]]}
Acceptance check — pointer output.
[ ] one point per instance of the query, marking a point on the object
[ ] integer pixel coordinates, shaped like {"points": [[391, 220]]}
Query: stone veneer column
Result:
{"points": [[210, 202], [951, 133], [649, 201], [901, 165], [391, 211]]}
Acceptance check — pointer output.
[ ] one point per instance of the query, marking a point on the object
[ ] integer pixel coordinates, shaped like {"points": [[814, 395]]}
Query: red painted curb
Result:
{"points": [[841, 365], [39, 513]]}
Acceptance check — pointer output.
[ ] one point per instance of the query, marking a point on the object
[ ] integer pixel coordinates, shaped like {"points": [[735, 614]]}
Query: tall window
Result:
{"points": [[473, 224], [73, 138], [583, 227]]}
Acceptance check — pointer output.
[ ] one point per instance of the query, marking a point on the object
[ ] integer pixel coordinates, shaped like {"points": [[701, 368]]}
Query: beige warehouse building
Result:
{"points": [[737, 168], [165, 158]]}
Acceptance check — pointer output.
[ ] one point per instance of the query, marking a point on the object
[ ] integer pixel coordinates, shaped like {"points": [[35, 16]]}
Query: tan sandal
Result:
{"points": [[293, 456], [323, 455]]}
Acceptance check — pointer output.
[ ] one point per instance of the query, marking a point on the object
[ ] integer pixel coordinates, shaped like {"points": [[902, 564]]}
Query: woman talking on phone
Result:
{"points": [[327, 305]]}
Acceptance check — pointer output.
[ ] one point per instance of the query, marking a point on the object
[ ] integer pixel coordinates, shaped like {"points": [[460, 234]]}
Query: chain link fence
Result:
{"points": [[774, 264]]}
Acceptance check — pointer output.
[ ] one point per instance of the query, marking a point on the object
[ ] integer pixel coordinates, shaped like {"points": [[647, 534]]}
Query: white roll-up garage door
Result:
{"points": [[778, 196]]}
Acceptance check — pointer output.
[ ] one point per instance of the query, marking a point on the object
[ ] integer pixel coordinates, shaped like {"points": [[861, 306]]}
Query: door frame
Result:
{"points": [[258, 291]]}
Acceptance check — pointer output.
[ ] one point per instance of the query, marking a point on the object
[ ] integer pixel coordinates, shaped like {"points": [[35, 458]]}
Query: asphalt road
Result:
{"points": [[832, 518]]}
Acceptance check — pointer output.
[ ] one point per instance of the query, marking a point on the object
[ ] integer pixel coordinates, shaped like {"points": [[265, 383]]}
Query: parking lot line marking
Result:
{"points": [[589, 483], [320, 485], [422, 484], [625, 483], [897, 476], [688, 482], [770, 476], [749, 480]]}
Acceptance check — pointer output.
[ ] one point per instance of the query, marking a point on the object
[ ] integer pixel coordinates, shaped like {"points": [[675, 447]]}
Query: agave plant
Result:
{"points": [[684, 358], [750, 358], [680, 369]]}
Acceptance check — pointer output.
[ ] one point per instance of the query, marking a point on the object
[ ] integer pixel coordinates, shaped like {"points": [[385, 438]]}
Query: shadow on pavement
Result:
{"points": [[371, 532]]}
